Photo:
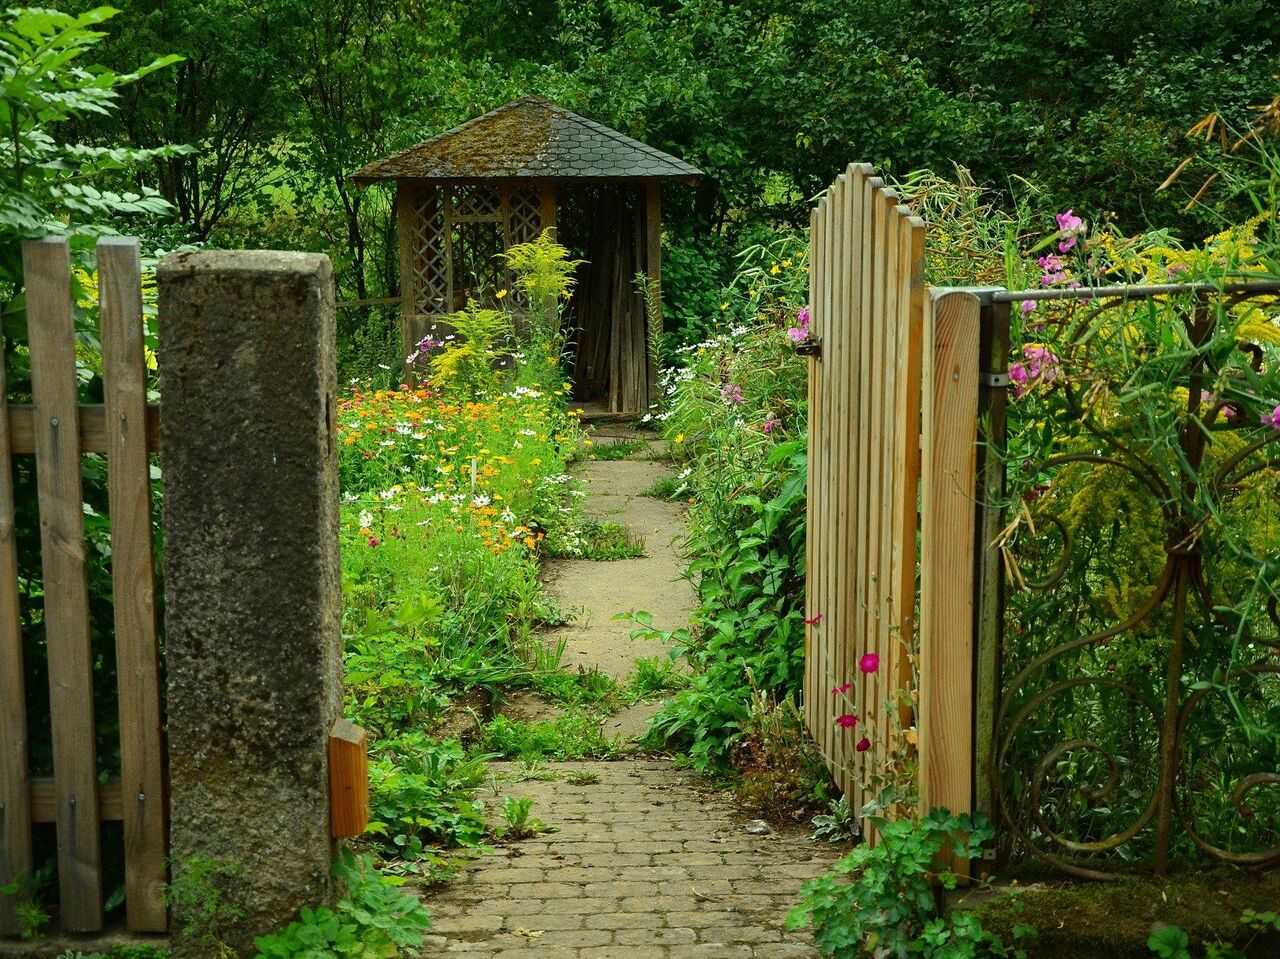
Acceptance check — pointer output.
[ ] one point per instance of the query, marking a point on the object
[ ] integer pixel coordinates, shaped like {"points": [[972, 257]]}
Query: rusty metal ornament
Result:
{"points": [[1031, 789]]}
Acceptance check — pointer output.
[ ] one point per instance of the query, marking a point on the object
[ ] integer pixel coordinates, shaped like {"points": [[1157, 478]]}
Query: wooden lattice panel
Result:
{"points": [[430, 265], [475, 201], [474, 254], [524, 214]]}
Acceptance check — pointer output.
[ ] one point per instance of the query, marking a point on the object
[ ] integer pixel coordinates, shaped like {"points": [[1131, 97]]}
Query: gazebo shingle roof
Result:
{"points": [[529, 138]]}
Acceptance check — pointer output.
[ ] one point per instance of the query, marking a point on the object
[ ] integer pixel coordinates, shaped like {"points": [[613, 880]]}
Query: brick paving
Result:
{"points": [[647, 863]]}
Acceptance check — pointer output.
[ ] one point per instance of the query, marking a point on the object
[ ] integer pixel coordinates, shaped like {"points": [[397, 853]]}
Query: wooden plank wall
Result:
{"points": [[59, 430], [867, 304]]}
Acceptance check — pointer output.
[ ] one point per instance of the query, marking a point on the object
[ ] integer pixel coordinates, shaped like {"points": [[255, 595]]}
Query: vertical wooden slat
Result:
{"points": [[406, 223], [15, 787], [51, 335], [819, 452], [947, 568], [814, 701], [911, 345], [845, 362], [653, 268], [134, 583], [837, 631]]}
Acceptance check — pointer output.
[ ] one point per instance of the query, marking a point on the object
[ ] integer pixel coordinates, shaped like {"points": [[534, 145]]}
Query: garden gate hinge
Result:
{"points": [[810, 346], [998, 380]]}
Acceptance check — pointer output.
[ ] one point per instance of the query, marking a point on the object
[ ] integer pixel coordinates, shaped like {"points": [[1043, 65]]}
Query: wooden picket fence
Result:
{"points": [[59, 430], [892, 435]]}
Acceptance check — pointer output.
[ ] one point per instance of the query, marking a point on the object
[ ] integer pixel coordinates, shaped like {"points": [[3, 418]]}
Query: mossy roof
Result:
{"points": [[528, 138]]}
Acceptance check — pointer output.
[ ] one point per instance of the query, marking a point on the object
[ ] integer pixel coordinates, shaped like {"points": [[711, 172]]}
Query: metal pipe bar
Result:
{"points": [[1136, 291]]}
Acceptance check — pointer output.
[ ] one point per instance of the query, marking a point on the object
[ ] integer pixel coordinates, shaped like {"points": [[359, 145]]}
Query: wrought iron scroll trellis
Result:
{"points": [[1081, 803]]}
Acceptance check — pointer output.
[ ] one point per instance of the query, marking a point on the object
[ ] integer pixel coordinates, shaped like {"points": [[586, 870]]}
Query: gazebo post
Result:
{"points": [[653, 261], [408, 295]]}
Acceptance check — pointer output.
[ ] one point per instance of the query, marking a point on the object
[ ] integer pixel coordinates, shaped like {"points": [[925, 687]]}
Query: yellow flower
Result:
{"points": [[724, 305], [775, 269], [501, 294], [679, 437]]}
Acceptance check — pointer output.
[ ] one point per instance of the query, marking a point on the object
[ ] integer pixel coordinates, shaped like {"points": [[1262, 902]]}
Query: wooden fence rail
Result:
{"points": [[59, 430], [891, 376]]}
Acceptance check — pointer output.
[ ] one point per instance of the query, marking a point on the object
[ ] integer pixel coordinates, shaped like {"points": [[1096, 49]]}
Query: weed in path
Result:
{"points": [[617, 450], [572, 736], [597, 540]]}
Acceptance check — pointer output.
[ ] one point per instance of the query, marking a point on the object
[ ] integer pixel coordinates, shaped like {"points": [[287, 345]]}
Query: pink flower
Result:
{"points": [[847, 721], [374, 541], [800, 332], [1069, 223], [840, 690], [869, 663], [1028, 306], [863, 744], [1272, 419], [732, 394], [770, 424]]}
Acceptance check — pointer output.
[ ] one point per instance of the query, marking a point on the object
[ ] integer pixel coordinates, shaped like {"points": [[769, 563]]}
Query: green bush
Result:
{"points": [[880, 900], [374, 920]]}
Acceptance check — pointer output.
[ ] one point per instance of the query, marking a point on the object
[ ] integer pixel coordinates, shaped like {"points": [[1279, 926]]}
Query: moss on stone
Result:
{"points": [[1114, 919]]}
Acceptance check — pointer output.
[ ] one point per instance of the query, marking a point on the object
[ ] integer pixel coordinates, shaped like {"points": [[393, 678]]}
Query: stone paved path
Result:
{"points": [[648, 861]]}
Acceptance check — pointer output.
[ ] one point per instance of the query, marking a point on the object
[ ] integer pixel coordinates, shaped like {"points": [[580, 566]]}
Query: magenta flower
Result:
{"points": [[732, 394], [1272, 419], [841, 690], [847, 721], [374, 541], [869, 663], [770, 424], [1069, 225], [863, 744], [1028, 306], [800, 332]]}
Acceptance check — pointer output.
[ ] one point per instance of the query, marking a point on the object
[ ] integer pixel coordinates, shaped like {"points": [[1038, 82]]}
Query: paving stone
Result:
{"points": [[676, 878]]}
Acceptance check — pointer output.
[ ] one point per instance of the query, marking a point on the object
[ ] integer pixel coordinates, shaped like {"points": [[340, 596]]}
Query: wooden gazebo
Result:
{"points": [[472, 192]]}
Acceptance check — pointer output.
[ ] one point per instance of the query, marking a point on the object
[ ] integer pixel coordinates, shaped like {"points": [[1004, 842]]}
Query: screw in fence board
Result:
{"points": [[993, 355], [55, 396]]}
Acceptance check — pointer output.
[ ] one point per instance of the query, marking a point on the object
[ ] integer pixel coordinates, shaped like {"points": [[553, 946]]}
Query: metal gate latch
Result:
{"points": [[810, 346]]}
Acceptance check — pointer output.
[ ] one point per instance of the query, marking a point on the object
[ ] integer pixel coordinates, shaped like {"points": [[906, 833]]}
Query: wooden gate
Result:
{"points": [[59, 430], [881, 350]]}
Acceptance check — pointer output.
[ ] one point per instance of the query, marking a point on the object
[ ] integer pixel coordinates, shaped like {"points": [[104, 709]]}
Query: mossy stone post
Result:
{"points": [[252, 588]]}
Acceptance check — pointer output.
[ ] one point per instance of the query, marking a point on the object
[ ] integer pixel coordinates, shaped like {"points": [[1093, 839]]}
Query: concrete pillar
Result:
{"points": [[252, 582]]}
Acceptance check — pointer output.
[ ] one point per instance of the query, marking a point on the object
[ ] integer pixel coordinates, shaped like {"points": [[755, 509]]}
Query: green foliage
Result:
{"points": [[596, 540], [880, 901], [617, 450], [374, 920], [122, 952], [544, 274], [204, 896], [29, 908], [1171, 942], [655, 676], [422, 793], [518, 822], [43, 88], [466, 366], [576, 735], [838, 824]]}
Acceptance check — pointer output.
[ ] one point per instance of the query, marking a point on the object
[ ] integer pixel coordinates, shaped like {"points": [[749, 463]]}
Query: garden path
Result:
{"points": [[647, 861]]}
